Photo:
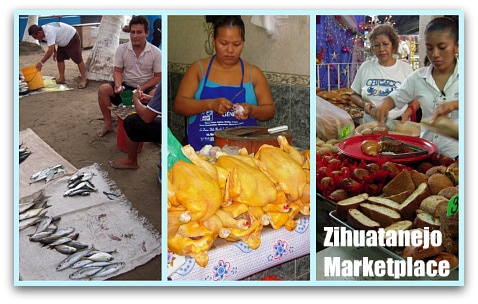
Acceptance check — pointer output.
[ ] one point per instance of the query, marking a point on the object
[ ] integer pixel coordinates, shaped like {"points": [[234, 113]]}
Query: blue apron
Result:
{"points": [[201, 130]]}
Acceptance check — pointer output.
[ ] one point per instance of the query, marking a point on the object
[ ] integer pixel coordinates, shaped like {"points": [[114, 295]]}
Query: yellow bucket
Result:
{"points": [[33, 77]]}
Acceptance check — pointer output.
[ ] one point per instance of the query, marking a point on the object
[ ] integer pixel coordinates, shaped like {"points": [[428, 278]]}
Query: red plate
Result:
{"points": [[352, 147]]}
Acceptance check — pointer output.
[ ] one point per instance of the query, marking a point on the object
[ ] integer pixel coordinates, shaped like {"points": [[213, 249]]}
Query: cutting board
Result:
{"points": [[252, 142]]}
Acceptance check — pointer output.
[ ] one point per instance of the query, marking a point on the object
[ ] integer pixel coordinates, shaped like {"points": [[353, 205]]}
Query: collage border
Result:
{"points": [[271, 76]]}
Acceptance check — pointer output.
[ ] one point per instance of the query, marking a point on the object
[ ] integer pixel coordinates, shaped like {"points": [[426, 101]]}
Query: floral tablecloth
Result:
{"points": [[230, 261]]}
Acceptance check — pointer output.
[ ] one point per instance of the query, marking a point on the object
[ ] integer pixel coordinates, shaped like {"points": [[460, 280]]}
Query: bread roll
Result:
{"points": [[449, 225], [380, 130], [425, 219], [400, 197], [418, 177], [370, 147], [342, 207], [381, 214], [438, 182], [401, 182], [449, 192], [412, 203], [418, 253], [338, 195], [400, 225], [450, 257], [436, 205], [366, 131], [382, 201], [358, 220]]}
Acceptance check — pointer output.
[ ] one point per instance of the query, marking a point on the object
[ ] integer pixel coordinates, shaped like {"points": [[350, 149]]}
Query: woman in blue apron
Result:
{"points": [[231, 93]]}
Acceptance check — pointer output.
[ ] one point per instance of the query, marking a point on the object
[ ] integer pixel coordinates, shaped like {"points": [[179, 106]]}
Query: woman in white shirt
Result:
{"points": [[381, 75]]}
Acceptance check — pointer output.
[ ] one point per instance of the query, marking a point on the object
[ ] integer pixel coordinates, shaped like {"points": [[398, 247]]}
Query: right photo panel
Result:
{"points": [[387, 144]]}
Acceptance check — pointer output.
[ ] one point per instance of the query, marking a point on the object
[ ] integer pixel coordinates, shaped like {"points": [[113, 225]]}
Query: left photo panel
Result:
{"points": [[87, 148]]}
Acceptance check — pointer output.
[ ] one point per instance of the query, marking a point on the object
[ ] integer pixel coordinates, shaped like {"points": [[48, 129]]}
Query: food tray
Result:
{"points": [[408, 128], [352, 148], [320, 197], [387, 251]]}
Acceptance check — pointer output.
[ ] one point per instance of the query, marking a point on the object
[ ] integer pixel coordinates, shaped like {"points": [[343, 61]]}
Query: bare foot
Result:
{"points": [[123, 163], [103, 131]]}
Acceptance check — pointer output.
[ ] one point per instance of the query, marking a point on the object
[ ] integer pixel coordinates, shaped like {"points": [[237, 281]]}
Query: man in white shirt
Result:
{"points": [[63, 43]]}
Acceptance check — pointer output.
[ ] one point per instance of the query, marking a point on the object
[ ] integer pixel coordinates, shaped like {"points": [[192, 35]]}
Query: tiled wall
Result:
{"points": [[291, 94]]}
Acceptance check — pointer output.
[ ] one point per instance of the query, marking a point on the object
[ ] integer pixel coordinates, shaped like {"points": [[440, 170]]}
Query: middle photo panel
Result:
{"points": [[238, 147]]}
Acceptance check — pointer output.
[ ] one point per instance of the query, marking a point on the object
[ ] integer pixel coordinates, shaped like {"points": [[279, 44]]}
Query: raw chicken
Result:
{"points": [[247, 183], [284, 168], [193, 188]]}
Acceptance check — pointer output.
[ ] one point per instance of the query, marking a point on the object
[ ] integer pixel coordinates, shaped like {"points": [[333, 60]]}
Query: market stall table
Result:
{"points": [[235, 260]]}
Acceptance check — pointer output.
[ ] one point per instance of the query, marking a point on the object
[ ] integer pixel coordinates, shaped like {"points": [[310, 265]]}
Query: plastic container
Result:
{"points": [[33, 77], [127, 98], [121, 138]]}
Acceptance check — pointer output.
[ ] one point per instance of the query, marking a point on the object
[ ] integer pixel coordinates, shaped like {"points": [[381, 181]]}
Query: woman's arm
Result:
{"points": [[185, 103], [412, 108], [445, 109], [360, 102], [380, 113]]}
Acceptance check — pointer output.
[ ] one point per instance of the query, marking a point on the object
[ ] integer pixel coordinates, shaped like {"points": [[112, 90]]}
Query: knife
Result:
{"points": [[416, 150], [263, 131]]}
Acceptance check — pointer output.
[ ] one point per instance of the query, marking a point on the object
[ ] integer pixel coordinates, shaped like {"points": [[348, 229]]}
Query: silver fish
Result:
{"points": [[87, 176], [37, 236], [75, 177], [77, 245], [58, 234], [63, 240], [25, 206], [42, 174], [44, 224], [82, 192], [77, 187], [73, 258], [101, 257], [85, 273], [107, 270], [30, 213], [65, 249], [98, 264], [31, 221], [81, 263]]}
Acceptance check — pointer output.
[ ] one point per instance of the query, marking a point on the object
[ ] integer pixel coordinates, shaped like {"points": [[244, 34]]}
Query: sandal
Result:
{"points": [[82, 85]]}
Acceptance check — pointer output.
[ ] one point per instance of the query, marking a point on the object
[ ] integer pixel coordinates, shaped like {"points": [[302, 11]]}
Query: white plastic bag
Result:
{"points": [[332, 122]]}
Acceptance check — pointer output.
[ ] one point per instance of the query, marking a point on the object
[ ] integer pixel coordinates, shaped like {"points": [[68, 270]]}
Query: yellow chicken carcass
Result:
{"points": [[191, 239], [247, 184], [283, 169], [193, 188], [251, 235], [287, 148], [219, 174]]}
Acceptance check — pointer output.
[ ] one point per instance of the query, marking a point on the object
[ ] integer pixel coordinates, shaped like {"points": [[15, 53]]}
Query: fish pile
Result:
{"points": [[33, 213], [88, 261], [23, 153], [80, 184], [48, 174]]}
